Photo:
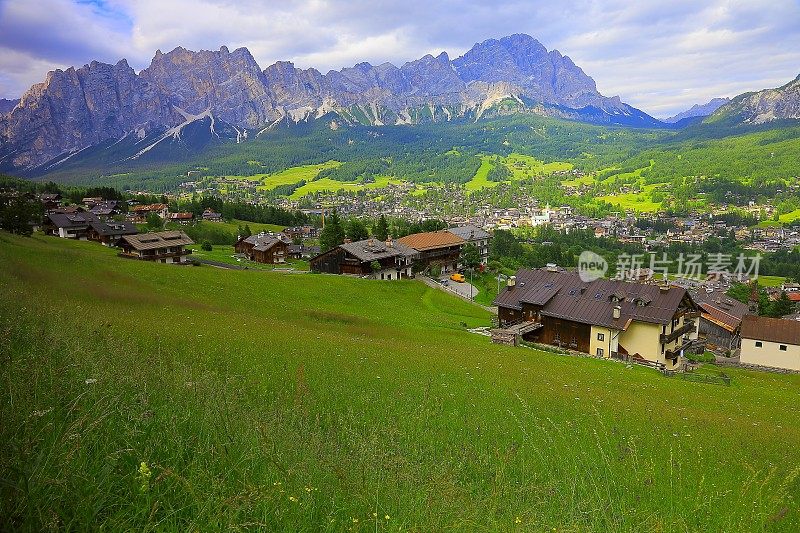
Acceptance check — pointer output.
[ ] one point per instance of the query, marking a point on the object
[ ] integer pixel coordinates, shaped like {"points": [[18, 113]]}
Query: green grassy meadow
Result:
{"points": [[140, 396]]}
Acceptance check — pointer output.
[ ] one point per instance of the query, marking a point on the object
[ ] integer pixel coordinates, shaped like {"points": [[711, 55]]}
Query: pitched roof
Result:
{"points": [[431, 240], [72, 220], [263, 241], [114, 228], [469, 232], [374, 250], [564, 295], [161, 239], [771, 329]]}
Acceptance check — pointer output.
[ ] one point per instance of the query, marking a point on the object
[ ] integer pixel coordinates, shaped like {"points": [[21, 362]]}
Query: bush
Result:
{"points": [[206, 245]]}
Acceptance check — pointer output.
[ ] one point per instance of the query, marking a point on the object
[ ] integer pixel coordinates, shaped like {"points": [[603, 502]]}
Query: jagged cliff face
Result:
{"points": [[762, 107], [74, 109], [230, 84]]}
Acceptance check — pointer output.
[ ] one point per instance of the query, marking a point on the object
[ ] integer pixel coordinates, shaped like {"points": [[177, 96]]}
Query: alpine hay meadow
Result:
{"points": [[141, 396]]}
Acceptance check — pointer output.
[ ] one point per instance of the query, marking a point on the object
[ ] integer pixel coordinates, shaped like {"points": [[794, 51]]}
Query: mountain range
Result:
{"points": [[74, 109], [698, 111], [188, 99]]}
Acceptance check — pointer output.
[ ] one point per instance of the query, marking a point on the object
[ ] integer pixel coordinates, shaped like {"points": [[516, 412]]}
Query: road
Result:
{"points": [[462, 289]]}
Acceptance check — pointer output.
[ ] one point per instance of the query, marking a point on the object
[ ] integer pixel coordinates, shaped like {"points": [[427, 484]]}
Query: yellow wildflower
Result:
{"points": [[518, 520]]}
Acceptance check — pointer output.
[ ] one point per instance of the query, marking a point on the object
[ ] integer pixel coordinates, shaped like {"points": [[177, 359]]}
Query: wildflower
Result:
{"points": [[518, 520], [355, 520], [90, 381], [292, 499], [387, 517], [308, 489], [374, 515], [144, 475]]}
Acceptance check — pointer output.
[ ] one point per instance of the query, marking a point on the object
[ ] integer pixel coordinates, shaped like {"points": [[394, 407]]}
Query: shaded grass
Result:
{"points": [[300, 403]]}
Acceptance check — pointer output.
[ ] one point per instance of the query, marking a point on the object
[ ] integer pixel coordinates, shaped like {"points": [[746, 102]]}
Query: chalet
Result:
{"points": [[302, 232], [209, 215], [475, 236], [140, 212], [72, 225], [770, 342], [439, 248], [720, 320], [105, 209], [370, 257], [163, 246], [50, 200], [181, 218], [263, 248], [605, 318], [108, 233], [302, 251]]}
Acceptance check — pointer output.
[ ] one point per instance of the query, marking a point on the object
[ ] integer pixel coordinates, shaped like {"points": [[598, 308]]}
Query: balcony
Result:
{"points": [[672, 354], [687, 327], [155, 257]]}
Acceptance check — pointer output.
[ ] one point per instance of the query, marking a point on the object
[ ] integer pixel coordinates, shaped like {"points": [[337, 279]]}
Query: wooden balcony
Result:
{"points": [[687, 327]]}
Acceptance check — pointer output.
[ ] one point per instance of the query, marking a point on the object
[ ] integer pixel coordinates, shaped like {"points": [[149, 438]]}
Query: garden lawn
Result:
{"points": [[141, 396]]}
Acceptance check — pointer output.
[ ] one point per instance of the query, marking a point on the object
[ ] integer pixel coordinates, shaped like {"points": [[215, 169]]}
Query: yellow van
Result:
{"points": [[458, 278]]}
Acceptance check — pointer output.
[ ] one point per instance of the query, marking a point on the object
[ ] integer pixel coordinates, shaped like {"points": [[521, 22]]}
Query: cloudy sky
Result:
{"points": [[659, 56]]}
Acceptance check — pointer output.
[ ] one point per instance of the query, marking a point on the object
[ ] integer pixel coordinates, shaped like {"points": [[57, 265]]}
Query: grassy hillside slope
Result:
{"points": [[306, 402]]}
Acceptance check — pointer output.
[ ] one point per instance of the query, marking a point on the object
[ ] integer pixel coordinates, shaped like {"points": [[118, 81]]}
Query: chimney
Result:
{"points": [[371, 241], [511, 283], [389, 241], [616, 312], [664, 287], [347, 240]]}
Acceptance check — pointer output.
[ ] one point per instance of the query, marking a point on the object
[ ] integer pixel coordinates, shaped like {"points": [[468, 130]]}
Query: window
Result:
{"points": [[600, 352], [601, 336], [759, 344], [782, 347]]}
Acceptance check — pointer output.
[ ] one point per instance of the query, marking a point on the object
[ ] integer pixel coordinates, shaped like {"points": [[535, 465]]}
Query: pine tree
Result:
{"points": [[381, 230], [332, 234]]}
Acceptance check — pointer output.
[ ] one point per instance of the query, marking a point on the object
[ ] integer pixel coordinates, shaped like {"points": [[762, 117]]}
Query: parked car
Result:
{"points": [[458, 278]]}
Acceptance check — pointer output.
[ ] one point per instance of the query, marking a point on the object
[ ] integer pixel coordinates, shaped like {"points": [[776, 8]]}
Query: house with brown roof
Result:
{"points": [[770, 342], [140, 212], [720, 320], [441, 248], [368, 258], [162, 246], [263, 248], [604, 318], [183, 219]]}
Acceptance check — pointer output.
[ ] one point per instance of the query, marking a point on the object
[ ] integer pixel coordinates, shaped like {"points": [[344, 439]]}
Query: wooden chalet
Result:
{"points": [[720, 320], [475, 236], [263, 248], [605, 318], [370, 258], [108, 233], [69, 225], [181, 218], [441, 248], [209, 215], [162, 246]]}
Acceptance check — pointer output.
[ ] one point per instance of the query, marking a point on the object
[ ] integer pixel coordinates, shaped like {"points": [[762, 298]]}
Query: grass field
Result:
{"points": [[141, 396], [224, 254], [330, 185], [289, 176], [519, 166]]}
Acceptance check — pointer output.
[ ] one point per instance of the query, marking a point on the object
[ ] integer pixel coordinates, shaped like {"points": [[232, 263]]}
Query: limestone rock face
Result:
{"points": [[763, 107], [229, 84], [75, 109]]}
